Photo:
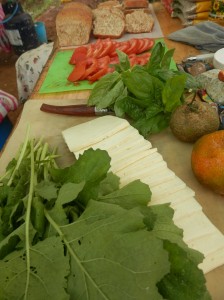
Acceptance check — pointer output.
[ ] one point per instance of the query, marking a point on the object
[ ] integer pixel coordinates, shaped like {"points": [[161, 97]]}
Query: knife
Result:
{"points": [[75, 110]]}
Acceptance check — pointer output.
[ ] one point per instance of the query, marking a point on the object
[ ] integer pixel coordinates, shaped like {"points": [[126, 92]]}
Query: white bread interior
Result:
{"points": [[108, 22], [138, 21]]}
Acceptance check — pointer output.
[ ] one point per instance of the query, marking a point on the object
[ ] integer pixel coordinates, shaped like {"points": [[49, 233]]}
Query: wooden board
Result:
{"points": [[51, 127]]}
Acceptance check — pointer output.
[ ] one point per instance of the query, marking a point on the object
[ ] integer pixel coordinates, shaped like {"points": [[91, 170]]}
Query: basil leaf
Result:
{"points": [[156, 56], [147, 126], [102, 87], [127, 107], [124, 61], [143, 85], [166, 60], [171, 99]]}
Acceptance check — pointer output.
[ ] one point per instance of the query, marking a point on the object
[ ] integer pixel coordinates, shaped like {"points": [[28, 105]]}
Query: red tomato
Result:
{"points": [[124, 47], [148, 44], [79, 54], [103, 61], [98, 74], [92, 69], [77, 72], [107, 48], [133, 46], [140, 46]]}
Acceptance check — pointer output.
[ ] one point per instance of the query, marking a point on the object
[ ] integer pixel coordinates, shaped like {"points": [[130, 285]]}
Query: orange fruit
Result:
{"points": [[207, 161]]}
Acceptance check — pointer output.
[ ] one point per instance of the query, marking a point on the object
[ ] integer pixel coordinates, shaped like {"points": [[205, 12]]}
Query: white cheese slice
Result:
{"points": [[88, 133]]}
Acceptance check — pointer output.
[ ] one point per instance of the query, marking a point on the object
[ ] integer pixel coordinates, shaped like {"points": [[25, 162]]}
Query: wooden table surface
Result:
{"points": [[213, 205]]}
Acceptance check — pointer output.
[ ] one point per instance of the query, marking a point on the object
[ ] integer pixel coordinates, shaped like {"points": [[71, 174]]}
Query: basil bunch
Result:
{"points": [[146, 95]]}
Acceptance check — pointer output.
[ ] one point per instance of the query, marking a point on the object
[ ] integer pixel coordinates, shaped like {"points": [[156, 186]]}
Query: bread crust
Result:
{"points": [[136, 4]]}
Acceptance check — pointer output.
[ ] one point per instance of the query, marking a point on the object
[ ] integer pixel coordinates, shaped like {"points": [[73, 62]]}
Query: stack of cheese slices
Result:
{"points": [[133, 157]]}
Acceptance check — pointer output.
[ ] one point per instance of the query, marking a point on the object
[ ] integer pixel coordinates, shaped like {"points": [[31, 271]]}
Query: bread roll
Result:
{"points": [[138, 21], [74, 24], [108, 22]]}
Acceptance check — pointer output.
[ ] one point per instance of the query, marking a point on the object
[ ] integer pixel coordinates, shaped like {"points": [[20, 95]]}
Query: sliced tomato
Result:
{"points": [[90, 50], [132, 59], [79, 54], [98, 75], [107, 48], [133, 46], [114, 60], [124, 47], [141, 45], [77, 72], [103, 61], [91, 69], [148, 44]]}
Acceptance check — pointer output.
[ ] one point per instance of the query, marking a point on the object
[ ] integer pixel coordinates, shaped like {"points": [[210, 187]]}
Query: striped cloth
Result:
{"points": [[7, 103], [4, 41]]}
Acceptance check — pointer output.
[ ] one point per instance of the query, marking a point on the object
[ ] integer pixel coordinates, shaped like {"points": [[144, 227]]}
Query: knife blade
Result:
{"points": [[74, 110]]}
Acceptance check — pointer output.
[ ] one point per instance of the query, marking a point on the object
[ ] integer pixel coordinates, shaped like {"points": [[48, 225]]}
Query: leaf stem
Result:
{"points": [[21, 156], [27, 219], [71, 251]]}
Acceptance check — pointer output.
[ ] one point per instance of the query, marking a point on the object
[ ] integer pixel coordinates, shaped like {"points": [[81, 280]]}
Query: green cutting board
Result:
{"points": [[56, 79]]}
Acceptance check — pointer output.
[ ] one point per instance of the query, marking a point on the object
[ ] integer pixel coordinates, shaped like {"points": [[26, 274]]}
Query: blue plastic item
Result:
{"points": [[5, 130]]}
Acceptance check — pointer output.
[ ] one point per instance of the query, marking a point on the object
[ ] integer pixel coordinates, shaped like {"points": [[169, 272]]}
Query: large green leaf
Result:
{"points": [[47, 273], [113, 255]]}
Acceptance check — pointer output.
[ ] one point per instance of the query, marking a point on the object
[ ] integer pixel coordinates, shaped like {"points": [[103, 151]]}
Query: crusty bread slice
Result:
{"points": [[138, 21], [136, 4], [74, 24], [110, 4], [108, 22]]}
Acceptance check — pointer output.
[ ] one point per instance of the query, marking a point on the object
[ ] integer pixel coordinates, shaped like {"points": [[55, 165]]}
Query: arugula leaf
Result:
{"points": [[133, 194], [125, 264], [48, 270]]}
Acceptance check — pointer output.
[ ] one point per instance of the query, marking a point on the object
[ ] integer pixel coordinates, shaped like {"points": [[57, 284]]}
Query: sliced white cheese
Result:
{"points": [[185, 208], [86, 134], [196, 226]]}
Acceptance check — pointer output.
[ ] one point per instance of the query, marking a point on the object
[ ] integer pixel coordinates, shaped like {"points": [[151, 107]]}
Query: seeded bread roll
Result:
{"points": [[108, 22], [74, 24], [138, 21]]}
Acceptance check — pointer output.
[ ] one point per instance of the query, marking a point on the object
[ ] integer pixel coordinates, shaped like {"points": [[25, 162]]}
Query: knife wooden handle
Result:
{"points": [[73, 110]]}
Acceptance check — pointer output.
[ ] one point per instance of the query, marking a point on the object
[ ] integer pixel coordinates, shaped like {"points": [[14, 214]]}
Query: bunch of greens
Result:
{"points": [[146, 95], [72, 233]]}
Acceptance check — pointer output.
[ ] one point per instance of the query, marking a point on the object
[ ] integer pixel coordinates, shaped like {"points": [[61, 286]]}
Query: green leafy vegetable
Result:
{"points": [[75, 234], [146, 95]]}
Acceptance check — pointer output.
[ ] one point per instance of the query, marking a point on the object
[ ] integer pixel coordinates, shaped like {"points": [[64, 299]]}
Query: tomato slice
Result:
{"points": [[133, 46], [77, 72], [148, 44], [107, 47], [98, 75], [140, 46], [103, 61], [79, 54], [91, 69], [124, 47]]}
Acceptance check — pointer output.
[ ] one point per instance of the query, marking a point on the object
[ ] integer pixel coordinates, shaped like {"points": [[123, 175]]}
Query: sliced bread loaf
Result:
{"points": [[108, 22], [74, 24], [138, 21]]}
